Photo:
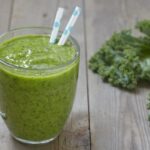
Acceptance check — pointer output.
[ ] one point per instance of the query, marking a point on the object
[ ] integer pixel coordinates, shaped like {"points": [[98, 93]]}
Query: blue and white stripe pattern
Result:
{"points": [[69, 26], [56, 25]]}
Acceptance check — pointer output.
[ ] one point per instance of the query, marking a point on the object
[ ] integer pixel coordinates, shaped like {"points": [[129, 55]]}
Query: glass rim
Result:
{"points": [[53, 68]]}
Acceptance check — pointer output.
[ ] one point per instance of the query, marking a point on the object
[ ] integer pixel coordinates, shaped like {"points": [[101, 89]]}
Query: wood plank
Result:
{"points": [[5, 9], [33, 13], [28, 13], [76, 133], [118, 119]]}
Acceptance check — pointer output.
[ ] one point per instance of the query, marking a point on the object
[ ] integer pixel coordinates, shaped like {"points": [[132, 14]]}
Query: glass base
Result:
{"points": [[33, 142]]}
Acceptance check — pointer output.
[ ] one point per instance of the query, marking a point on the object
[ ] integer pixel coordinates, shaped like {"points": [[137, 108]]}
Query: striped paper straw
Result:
{"points": [[56, 25], [69, 26]]}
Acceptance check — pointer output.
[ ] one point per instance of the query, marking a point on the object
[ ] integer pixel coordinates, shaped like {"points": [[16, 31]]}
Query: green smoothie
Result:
{"points": [[37, 85]]}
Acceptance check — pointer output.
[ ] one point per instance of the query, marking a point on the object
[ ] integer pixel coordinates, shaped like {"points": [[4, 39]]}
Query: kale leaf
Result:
{"points": [[124, 59]]}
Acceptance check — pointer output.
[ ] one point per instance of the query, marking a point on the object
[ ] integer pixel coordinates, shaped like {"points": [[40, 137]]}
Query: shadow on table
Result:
{"points": [[20, 146]]}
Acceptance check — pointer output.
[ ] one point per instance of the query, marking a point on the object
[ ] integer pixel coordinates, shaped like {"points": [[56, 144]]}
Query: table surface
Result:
{"points": [[103, 117]]}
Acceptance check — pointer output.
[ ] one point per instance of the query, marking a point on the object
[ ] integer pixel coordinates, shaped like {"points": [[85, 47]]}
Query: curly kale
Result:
{"points": [[124, 59], [144, 27]]}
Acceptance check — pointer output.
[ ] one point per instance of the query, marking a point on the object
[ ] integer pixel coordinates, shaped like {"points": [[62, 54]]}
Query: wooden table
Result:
{"points": [[103, 117]]}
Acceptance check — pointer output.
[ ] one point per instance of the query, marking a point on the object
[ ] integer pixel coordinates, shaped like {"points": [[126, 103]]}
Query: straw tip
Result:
{"points": [[77, 11], [77, 7], [61, 9]]}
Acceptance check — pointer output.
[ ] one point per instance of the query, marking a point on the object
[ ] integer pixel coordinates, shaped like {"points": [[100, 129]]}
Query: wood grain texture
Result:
{"points": [[118, 119], [33, 13], [5, 10]]}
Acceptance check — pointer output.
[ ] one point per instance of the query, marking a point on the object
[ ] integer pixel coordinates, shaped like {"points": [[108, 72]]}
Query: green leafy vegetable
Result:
{"points": [[124, 59], [144, 26]]}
